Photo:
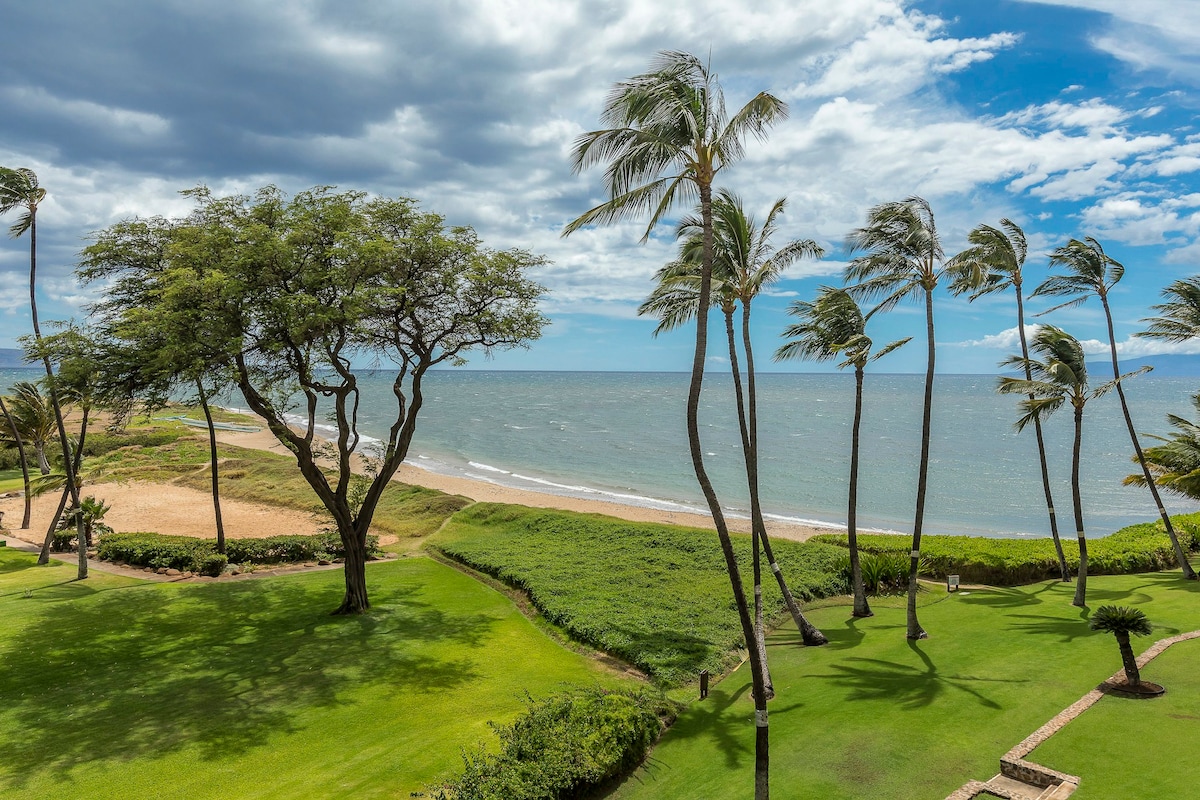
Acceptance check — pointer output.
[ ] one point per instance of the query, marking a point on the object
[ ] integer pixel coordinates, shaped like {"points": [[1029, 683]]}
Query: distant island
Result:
{"points": [[1165, 366], [12, 357]]}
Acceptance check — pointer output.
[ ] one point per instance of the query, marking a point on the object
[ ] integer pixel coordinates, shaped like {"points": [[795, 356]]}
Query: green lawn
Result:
{"points": [[873, 715], [1126, 748], [117, 688]]}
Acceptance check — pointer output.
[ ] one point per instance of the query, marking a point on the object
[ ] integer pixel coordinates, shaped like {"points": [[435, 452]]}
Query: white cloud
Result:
{"points": [[99, 120], [1009, 341]]}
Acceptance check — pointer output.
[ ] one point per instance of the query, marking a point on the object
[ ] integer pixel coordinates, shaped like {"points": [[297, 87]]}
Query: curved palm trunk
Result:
{"points": [[68, 466], [1077, 499], [1180, 555], [39, 452], [212, 460], [12, 426], [1132, 676], [1041, 445], [861, 608], [915, 631], [80, 531], [760, 638], [809, 633], [762, 789]]}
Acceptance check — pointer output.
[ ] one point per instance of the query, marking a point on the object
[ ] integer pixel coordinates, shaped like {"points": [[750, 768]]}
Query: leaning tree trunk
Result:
{"points": [[1081, 585], [212, 460], [760, 637], [44, 555], [12, 426], [78, 462], [809, 633], [915, 631], [1180, 555], [861, 608], [762, 756], [68, 467], [1064, 572], [1132, 676]]}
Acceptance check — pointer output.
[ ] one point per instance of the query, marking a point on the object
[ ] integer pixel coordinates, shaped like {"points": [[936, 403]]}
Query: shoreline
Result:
{"points": [[487, 492]]}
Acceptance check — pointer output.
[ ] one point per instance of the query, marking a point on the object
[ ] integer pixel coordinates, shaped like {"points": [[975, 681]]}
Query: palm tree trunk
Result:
{"points": [[760, 638], [68, 467], [44, 555], [861, 608], [1132, 676], [762, 757], [809, 633], [39, 452], [1041, 444], [915, 631], [1180, 555], [1077, 499], [12, 426], [212, 460]]}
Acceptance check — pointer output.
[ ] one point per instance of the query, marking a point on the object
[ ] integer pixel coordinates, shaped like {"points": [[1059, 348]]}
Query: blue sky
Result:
{"points": [[1075, 117]]}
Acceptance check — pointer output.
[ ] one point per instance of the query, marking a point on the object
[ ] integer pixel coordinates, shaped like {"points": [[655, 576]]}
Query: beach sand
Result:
{"points": [[176, 510]]}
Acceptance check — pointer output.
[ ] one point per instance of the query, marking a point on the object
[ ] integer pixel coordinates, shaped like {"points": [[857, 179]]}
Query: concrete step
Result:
{"points": [[1014, 789], [1060, 792]]}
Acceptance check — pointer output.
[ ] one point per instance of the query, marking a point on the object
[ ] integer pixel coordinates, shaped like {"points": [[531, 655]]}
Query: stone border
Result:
{"points": [[1013, 763]]}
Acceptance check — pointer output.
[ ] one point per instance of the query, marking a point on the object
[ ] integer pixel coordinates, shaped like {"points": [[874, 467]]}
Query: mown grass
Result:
{"points": [[1144, 547], [117, 688], [657, 596], [1131, 748], [873, 715]]}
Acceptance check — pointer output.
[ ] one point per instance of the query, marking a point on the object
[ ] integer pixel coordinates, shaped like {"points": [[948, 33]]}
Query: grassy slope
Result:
{"points": [[873, 715], [1118, 744], [114, 688], [656, 595]]}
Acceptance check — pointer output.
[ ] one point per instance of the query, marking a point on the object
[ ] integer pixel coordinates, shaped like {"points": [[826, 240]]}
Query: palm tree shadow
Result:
{"points": [[909, 686], [221, 668], [1068, 630], [1006, 597]]}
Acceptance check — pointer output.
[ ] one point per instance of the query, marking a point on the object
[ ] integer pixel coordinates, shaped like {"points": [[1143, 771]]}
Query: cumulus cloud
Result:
{"points": [[1009, 341]]}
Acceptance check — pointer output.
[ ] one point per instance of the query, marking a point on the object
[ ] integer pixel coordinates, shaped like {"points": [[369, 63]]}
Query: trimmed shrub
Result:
{"points": [[189, 553], [563, 747], [212, 564], [1144, 547], [100, 442]]}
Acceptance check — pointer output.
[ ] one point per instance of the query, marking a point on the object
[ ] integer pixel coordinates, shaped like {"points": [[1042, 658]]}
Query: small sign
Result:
{"points": [[951, 583], [703, 684]]}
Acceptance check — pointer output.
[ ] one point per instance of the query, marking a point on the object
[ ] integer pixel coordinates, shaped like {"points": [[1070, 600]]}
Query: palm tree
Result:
{"points": [[903, 258], [993, 263], [19, 189], [20, 445], [830, 326], [1058, 378], [1175, 464], [1180, 320], [1088, 270], [746, 261], [33, 417], [1121, 621], [672, 120]]}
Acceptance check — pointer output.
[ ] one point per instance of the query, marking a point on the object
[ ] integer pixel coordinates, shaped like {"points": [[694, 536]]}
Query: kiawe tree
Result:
{"points": [[833, 326], [993, 263], [307, 288], [1087, 270], [668, 137]]}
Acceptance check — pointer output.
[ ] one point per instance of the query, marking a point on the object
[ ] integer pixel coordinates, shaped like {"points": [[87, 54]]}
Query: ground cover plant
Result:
{"points": [[1118, 743], [252, 689], [1143, 547], [848, 717], [656, 596]]}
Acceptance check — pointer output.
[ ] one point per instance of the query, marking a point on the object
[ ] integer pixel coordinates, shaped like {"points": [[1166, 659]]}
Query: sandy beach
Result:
{"points": [[164, 508]]}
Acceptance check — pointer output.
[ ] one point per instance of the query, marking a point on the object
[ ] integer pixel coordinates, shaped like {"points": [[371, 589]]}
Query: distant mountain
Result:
{"points": [[1166, 366], [12, 357]]}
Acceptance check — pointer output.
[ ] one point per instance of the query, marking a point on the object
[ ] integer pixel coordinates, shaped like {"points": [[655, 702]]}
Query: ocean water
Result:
{"points": [[621, 437]]}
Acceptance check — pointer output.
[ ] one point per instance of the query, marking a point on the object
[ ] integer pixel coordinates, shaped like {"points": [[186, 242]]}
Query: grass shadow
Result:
{"points": [[219, 667]]}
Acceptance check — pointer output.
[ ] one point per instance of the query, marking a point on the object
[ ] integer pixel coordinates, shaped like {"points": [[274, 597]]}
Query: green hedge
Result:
{"points": [[1009, 562], [98, 443], [562, 747], [188, 553]]}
